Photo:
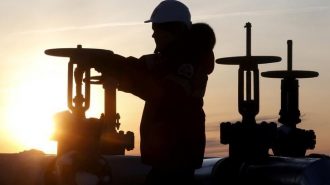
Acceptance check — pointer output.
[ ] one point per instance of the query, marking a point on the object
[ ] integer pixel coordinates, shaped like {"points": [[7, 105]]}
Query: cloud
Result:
{"points": [[263, 12], [83, 27]]}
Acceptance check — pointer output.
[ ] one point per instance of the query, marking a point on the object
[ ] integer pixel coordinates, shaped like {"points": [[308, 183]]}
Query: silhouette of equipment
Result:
{"points": [[291, 140], [248, 140], [74, 131]]}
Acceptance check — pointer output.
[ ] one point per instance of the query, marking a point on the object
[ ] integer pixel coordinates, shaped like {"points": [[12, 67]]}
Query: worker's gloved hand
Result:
{"points": [[103, 62], [108, 63]]}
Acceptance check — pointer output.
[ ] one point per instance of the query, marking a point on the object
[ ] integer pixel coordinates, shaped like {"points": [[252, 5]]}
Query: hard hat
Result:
{"points": [[170, 11]]}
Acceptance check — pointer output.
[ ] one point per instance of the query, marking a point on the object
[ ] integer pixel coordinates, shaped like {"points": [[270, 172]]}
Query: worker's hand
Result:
{"points": [[108, 63], [101, 61]]}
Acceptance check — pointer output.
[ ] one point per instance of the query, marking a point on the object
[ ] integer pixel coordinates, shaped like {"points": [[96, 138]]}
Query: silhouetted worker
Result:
{"points": [[172, 83]]}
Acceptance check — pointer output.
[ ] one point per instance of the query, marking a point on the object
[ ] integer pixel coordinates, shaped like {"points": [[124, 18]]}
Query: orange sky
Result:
{"points": [[33, 85]]}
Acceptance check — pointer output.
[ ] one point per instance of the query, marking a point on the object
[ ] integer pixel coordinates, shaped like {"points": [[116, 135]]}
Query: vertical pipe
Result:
{"points": [[289, 55], [78, 76], [87, 89], [70, 83], [248, 39], [110, 104], [248, 53], [241, 92], [256, 96]]}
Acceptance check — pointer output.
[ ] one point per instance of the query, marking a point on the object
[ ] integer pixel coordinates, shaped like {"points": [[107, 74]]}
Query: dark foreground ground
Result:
{"points": [[31, 168]]}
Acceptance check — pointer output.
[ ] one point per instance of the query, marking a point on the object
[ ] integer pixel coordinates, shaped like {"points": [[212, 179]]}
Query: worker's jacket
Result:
{"points": [[173, 121]]}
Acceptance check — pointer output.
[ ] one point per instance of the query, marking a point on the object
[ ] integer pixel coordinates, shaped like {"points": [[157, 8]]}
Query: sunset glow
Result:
{"points": [[33, 85], [29, 118]]}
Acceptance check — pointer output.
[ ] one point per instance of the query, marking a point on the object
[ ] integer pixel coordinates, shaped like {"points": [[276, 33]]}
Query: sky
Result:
{"points": [[33, 85]]}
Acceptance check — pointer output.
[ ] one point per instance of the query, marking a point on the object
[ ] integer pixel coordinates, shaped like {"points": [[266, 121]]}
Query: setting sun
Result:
{"points": [[39, 92], [29, 120], [32, 102]]}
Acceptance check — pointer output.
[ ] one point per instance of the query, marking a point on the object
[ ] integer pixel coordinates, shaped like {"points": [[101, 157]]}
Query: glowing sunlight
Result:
{"points": [[29, 116]]}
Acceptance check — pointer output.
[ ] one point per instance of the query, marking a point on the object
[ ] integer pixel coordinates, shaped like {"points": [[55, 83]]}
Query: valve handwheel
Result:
{"points": [[77, 52]]}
